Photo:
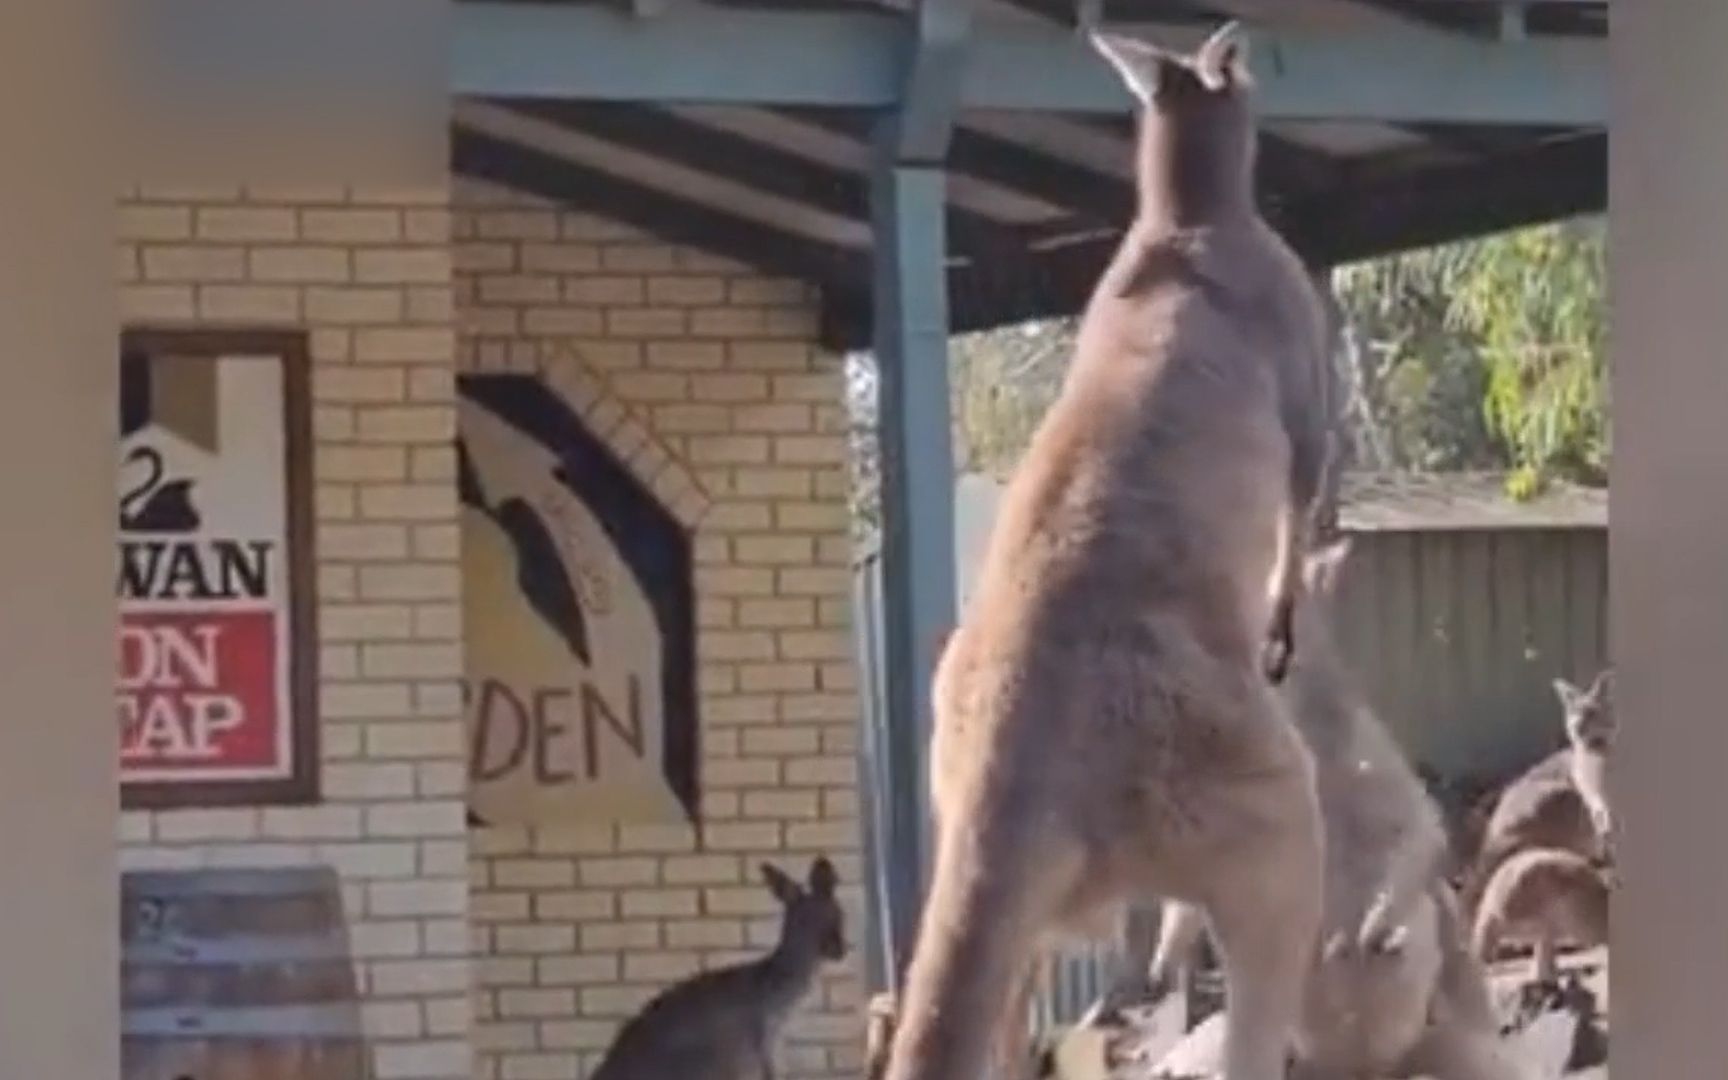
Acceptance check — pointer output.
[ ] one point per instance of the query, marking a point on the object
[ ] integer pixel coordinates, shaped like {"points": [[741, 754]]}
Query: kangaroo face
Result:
{"points": [[813, 920], [1591, 723]]}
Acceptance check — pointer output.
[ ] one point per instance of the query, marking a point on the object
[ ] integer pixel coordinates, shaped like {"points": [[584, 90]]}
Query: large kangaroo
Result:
{"points": [[723, 1024], [1394, 990], [1105, 728]]}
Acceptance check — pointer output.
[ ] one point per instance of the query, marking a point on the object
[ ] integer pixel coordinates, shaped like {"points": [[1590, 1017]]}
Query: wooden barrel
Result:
{"points": [[237, 975]]}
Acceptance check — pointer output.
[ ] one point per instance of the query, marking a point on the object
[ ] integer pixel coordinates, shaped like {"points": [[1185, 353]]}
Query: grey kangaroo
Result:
{"points": [[1561, 802], [724, 1024], [1105, 725], [1394, 990]]}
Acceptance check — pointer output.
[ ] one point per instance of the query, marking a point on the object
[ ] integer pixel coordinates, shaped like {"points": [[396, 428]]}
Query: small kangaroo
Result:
{"points": [[1392, 991], [1542, 896], [724, 1024], [1561, 801], [1106, 724]]}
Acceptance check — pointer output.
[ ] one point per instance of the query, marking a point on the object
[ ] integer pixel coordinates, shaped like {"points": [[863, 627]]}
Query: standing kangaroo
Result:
{"points": [[723, 1024], [1105, 729], [1393, 990], [1560, 802]]}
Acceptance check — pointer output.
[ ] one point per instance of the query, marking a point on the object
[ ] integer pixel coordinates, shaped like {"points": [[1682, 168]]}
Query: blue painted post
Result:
{"points": [[911, 344]]}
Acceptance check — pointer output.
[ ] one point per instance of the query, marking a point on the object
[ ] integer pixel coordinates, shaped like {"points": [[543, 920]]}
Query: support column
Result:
{"points": [[918, 580], [59, 752]]}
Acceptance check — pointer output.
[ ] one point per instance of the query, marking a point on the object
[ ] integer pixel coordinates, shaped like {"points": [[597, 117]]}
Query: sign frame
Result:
{"points": [[290, 351]]}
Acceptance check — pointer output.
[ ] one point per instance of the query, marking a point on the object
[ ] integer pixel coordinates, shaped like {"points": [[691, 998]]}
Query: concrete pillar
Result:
{"points": [[58, 750]]}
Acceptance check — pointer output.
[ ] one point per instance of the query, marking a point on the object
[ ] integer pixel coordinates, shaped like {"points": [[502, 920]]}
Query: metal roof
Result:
{"points": [[1036, 199]]}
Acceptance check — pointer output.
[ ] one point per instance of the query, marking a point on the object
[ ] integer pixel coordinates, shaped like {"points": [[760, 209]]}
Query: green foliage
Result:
{"points": [[1486, 353]]}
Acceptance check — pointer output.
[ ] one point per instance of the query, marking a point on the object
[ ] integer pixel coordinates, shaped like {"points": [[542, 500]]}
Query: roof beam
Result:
{"points": [[592, 52]]}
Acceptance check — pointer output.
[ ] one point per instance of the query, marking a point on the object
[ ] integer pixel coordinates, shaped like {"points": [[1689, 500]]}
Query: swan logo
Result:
{"points": [[205, 681], [579, 637]]}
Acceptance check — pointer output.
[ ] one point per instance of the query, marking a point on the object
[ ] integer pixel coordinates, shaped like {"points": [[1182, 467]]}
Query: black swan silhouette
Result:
{"points": [[153, 506], [540, 573]]}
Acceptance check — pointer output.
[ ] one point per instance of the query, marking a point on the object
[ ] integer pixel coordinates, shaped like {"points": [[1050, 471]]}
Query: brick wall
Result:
{"points": [[702, 376], [369, 274]]}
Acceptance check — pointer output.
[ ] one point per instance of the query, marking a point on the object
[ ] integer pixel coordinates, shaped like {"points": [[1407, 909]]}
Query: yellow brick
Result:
{"points": [[686, 291], [363, 701], [408, 424], [818, 707], [704, 933], [351, 226], [183, 263], [534, 939], [781, 418], [334, 502], [435, 345], [638, 258], [431, 384], [740, 773], [157, 302], [248, 303], [774, 550], [584, 906], [619, 871], [730, 449], [438, 620], [533, 873], [815, 645], [518, 289], [659, 903], [598, 936], [361, 463], [794, 612], [781, 482], [431, 303], [410, 582], [563, 258], [516, 224], [785, 677], [691, 419], [809, 450], [770, 356], [407, 266], [552, 321], [408, 502], [831, 516], [300, 264], [739, 902], [737, 646], [656, 838], [427, 226], [576, 1034], [359, 385], [727, 322], [781, 741], [489, 322], [820, 772], [339, 662], [331, 345], [729, 387], [362, 542], [610, 290], [360, 622], [646, 322], [147, 223], [659, 968], [781, 805], [337, 583], [686, 355], [735, 581], [536, 1002], [245, 223]]}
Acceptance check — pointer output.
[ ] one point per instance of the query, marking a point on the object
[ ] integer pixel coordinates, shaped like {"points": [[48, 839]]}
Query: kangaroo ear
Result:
{"points": [[1570, 696], [783, 887], [1603, 688], [1141, 65], [822, 877], [1222, 60]]}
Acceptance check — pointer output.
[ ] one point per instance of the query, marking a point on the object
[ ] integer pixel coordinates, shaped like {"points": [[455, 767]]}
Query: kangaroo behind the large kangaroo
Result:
{"points": [[1105, 728], [1543, 897], [1561, 801], [723, 1024], [1393, 990]]}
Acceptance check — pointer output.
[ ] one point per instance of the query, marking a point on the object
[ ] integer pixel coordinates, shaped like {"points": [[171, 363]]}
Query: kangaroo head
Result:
{"points": [[812, 923], [1197, 138], [1591, 722]]}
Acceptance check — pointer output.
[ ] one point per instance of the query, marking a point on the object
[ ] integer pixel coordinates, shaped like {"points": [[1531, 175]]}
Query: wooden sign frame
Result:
{"points": [[293, 630]]}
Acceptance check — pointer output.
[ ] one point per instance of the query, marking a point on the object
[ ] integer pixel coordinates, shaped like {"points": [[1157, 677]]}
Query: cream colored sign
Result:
{"points": [[564, 690]]}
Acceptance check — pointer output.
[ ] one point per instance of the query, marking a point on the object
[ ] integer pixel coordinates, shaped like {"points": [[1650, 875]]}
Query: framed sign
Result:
{"points": [[216, 693], [578, 601]]}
